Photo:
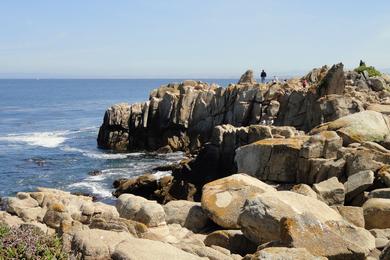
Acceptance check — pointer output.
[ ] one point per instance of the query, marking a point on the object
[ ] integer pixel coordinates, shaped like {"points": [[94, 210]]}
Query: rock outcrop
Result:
{"points": [[182, 116]]}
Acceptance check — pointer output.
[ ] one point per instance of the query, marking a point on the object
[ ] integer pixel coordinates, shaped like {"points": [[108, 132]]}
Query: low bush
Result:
{"points": [[372, 72], [29, 242]]}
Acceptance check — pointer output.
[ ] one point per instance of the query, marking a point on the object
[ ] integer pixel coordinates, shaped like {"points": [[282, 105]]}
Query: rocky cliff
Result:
{"points": [[182, 116]]}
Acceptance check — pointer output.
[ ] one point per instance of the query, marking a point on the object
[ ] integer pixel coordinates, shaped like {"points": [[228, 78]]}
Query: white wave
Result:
{"points": [[160, 174], [44, 139], [100, 155], [94, 188], [107, 156]]}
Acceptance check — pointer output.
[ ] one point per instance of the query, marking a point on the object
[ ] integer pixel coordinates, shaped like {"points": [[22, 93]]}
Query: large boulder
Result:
{"points": [[285, 253], [351, 214], [377, 83], [247, 78], [223, 199], [261, 215], [377, 213], [142, 210], [149, 250], [333, 82], [233, 240], [96, 243], [359, 127], [357, 183], [333, 239], [380, 193], [331, 191], [382, 237], [188, 214], [271, 159]]}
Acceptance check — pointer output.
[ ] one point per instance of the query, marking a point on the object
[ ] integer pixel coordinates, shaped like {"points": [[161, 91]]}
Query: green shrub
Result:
{"points": [[28, 242], [372, 72]]}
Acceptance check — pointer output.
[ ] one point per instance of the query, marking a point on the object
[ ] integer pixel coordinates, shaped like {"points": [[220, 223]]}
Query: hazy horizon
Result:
{"points": [[177, 39]]}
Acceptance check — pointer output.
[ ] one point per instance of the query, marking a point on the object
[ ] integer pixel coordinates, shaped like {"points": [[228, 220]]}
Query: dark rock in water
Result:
{"points": [[166, 168], [38, 161], [144, 185], [247, 78], [95, 173], [334, 81]]}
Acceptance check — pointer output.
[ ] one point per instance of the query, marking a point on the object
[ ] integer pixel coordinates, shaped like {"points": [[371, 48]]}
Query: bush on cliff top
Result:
{"points": [[372, 72], [28, 242]]}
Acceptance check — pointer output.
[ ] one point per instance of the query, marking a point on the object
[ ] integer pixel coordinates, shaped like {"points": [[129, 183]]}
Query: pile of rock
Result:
{"points": [[239, 217]]}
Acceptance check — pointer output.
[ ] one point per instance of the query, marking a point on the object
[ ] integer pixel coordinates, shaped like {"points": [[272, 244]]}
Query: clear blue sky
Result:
{"points": [[188, 38]]}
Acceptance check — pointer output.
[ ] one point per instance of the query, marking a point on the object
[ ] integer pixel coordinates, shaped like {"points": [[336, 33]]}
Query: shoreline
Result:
{"points": [[276, 170]]}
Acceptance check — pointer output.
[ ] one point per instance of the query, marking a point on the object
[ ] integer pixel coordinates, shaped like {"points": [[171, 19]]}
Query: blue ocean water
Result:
{"points": [[48, 131]]}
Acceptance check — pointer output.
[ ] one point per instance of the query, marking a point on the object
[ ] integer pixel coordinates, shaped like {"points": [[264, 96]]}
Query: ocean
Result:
{"points": [[48, 131]]}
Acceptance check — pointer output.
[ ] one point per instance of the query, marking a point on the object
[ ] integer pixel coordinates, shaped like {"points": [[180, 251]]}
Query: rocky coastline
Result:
{"points": [[298, 169]]}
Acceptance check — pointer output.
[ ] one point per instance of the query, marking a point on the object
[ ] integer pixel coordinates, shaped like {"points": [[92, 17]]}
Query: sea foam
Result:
{"points": [[44, 139]]}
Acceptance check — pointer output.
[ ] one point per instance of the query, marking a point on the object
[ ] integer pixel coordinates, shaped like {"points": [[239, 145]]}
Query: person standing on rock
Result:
{"points": [[263, 75]]}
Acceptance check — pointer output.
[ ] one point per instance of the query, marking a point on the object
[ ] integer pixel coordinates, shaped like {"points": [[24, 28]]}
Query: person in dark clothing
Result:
{"points": [[263, 75]]}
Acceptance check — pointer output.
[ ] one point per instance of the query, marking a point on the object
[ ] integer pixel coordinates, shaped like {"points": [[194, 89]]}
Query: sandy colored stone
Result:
{"points": [[261, 215], [377, 213], [223, 199]]}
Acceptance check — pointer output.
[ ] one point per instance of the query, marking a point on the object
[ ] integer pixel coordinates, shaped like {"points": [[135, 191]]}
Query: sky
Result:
{"points": [[188, 38]]}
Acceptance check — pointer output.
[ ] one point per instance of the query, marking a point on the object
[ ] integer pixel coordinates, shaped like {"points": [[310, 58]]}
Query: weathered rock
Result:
{"points": [[97, 244], [351, 214], [247, 78], [331, 191], [115, 135], [334, 239], [380, 193], [9, 220], [333, 82], [304, 189], [385, 254], [359, 127], [144, 186], [271, 159], [149, 250], [23, 201], [284, 253], [233, 240], [55, 215], [358, 183], [382, 237], [261, 215], [222, 199], [139, 209], [174, 234], [135, 228], [376, 83], [381, 108], [324, 144], [361, 160], [186, 213], [377, 213], [206, 252]]}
